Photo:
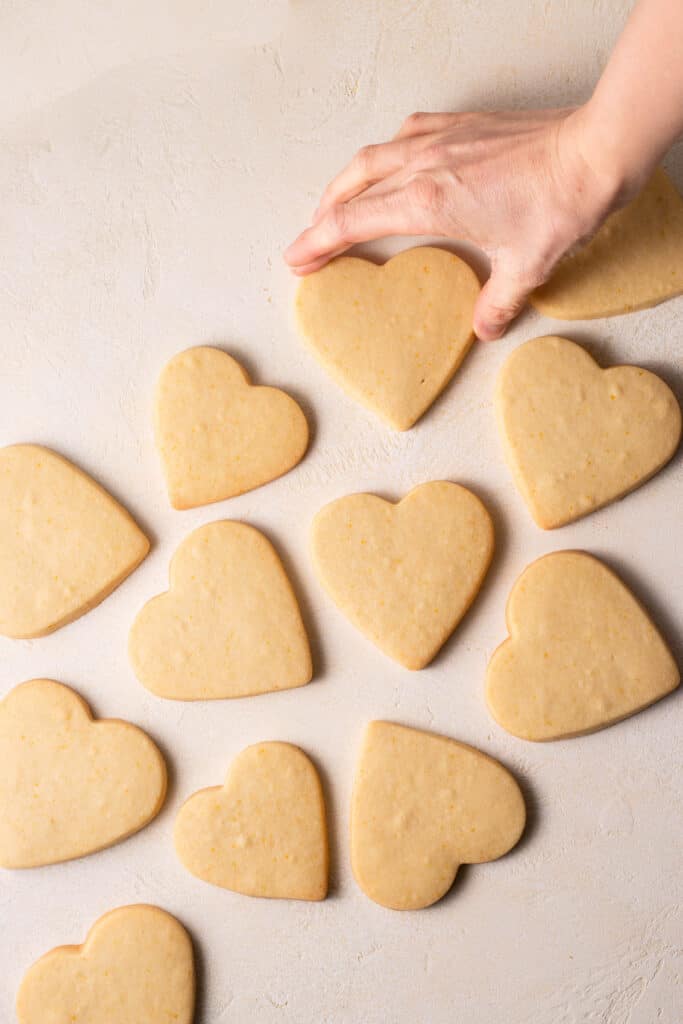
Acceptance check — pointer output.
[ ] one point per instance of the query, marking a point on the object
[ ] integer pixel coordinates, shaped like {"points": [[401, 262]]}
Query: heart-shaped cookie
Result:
{"points": [[582, 653], [405, 573], [634, 261], [218, 435], [423, 805], [70, 785], [263, 833], [65, 544], [230, 624], [577, 437], [392, 336], [135, 967]]}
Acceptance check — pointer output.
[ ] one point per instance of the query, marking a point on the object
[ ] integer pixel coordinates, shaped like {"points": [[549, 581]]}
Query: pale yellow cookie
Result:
{"points": [[65, 544], [230, 624], [70, 784], [405, 573], [217, 434], [135, 967], [634, 261], [423, 805], [582, 652], [391, 336], [263, 833], [577, 437]]}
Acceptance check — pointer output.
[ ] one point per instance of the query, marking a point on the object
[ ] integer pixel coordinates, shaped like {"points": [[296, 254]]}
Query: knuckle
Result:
{"points": [[365, 157], [500, 313], [435, 154], [338, 222], [415, 120], [424, 190]]}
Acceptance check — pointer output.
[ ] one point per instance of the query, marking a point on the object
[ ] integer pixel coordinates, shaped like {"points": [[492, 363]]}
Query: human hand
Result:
{"points": [[525, 187]]}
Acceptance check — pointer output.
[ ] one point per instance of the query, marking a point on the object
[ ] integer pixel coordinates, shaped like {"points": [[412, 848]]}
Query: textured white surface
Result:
{"points": [[153, 163]]}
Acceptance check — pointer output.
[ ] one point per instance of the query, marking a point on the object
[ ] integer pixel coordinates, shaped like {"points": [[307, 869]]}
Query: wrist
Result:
{"points": [[620, 163]]}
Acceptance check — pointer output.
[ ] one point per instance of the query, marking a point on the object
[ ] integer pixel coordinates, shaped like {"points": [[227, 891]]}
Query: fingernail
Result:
{"points": [[486, 333]]}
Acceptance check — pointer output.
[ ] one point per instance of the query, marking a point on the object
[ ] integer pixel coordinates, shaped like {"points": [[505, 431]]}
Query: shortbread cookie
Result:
{"points": [[391, 336], [582, 652], [634, 261], [230, 624], [405, 573], [65, 544], [135, 967], [263, 833], [423, 805], [577, 437], [217, 434], [70, 784]]}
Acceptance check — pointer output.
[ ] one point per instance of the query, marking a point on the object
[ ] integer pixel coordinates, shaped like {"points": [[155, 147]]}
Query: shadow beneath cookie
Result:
{"points": [[305, 605], [650, 602], [171, 774], [331, 822], [501, 545], [532, 804], [201, 979]]}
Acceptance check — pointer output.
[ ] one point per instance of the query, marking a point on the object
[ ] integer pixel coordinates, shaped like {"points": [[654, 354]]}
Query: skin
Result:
{"points": [[526, 186]]}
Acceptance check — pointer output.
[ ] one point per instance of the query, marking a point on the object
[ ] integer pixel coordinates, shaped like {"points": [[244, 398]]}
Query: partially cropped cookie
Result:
{"points": [[70, 784], [423, 805], [65, 543], [576, 436], [634, 261], [217, 434], [262, 833], [404, 574], [392, 336], [135, 967], [229, 625], [582, 652]]}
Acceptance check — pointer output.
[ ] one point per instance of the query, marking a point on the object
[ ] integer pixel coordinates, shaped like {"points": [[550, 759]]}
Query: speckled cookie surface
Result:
{"points": [[135, 967], [423, 805], [406, 573], [229, 625], [70, 784], [576, 436], [582, 652], [65, 543], [217, 434], [391, 335], [262, 833], [634, 261]]}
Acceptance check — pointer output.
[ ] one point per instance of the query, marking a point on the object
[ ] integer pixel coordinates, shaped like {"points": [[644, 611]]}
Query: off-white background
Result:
{"points": [[155, 158]]}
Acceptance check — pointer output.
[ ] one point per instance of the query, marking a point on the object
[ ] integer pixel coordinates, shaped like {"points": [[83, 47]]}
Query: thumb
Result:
{"points": [[499, 302]]}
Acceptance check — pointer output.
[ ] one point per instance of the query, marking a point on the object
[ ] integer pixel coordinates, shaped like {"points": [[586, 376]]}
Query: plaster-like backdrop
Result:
{"points": [[153, 164]]}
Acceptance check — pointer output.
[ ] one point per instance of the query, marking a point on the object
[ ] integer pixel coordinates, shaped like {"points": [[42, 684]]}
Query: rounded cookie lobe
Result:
{"points": [[70, 784], [217, 434], [136, 965], [423, 805], [582, 653], [263, 833]]}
